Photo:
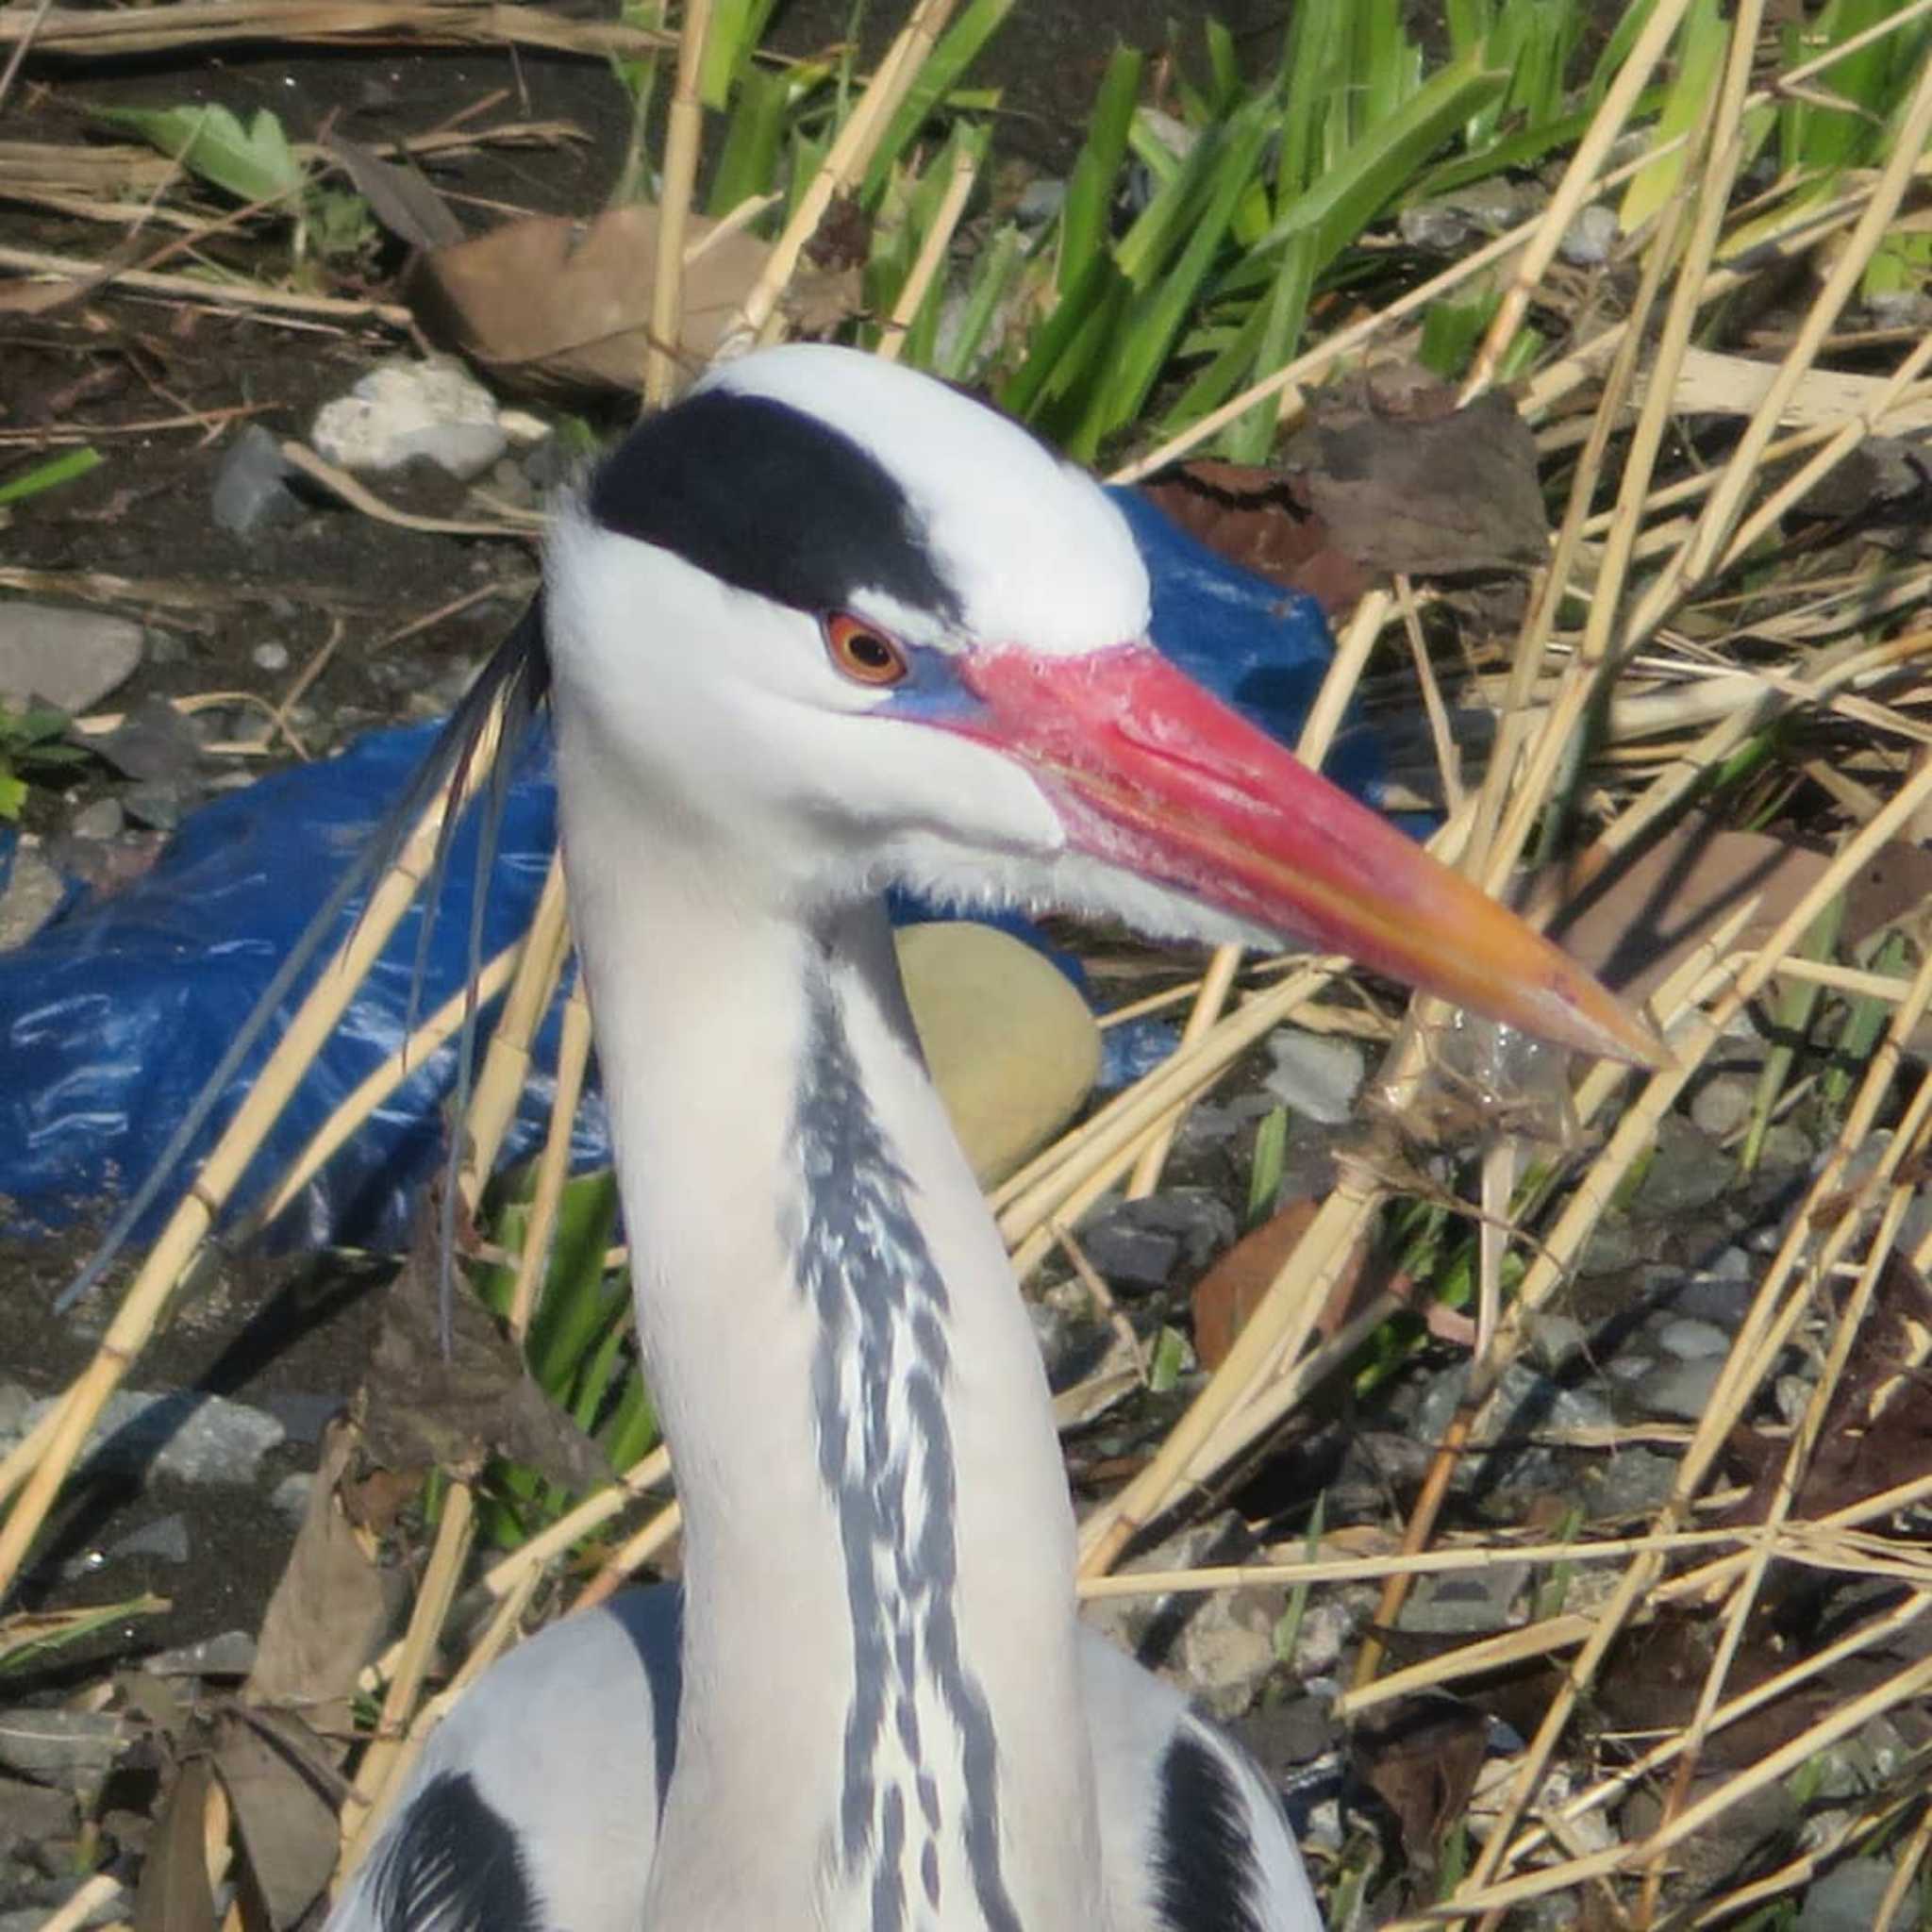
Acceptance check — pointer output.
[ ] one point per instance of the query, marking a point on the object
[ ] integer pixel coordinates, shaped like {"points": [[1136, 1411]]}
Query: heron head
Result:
{"points": [[841, 627]]}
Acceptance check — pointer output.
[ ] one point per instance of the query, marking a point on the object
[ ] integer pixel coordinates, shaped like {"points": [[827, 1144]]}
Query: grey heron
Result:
{"points": [[822, 626]]}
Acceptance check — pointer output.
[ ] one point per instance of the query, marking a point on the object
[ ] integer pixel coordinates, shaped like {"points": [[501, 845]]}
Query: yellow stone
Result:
{"points": [[1011, 1045]]}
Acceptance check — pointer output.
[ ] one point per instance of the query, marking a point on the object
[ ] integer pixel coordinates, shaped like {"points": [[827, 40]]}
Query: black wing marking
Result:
{"points": [[1205, 1878], [453, 1865]]}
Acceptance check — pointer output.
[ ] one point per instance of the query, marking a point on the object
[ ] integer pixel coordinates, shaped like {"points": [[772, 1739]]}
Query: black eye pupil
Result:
{"points": [[872, 652]]}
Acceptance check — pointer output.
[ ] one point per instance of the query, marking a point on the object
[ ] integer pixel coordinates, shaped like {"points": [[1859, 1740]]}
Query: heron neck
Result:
{"points": [[881, 1697]]}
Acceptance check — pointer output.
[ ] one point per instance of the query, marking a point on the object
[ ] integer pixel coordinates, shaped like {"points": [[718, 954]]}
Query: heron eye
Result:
{"points": [[862, 651]]}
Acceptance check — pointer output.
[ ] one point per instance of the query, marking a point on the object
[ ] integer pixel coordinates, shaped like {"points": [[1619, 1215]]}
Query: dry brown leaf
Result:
{"points": [[329, 1612], [286, 1826], [563, 308], [1256, 517], [1420, 1755], [173, 1894], [1406, 481], [1636, 925], [424, 1407], [1232, 1289]]}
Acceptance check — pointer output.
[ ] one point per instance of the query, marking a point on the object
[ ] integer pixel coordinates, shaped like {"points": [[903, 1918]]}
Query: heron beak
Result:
{"points": [[1153, 775]]}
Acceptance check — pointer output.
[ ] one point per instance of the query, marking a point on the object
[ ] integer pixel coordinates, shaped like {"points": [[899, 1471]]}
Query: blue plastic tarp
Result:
{"points": [[116, 1013]]}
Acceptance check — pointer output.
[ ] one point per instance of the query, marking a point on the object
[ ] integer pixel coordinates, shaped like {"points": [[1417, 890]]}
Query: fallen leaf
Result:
{"points": [[1634, 926], [173, 1894], [1258, 518], [286, 1826], [1420, 1755], [1406, 481], [401, 197], [423, 1407], [330, 1609], [563, 308], [1233, 1288]]}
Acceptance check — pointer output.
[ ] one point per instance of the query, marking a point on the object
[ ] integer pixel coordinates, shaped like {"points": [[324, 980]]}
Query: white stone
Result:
{"points": [[1316, 1074], [405, 410]]}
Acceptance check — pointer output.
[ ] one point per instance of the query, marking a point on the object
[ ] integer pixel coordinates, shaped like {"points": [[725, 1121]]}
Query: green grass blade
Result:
{"points": [[1374, 172], [748, 163], [50, 475], [1090, 189], [958, 48], [1700, 52]]}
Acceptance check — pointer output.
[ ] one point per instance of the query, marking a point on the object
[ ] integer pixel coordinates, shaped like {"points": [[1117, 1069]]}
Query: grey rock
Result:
{"points": [[1317, 1074], [290, 1497], [32, 1814], [1688, 1172], [1721, 1294], [229, 1653], [1723, 1104], [1691, 1340], [404, 410], [1632, 1482], [272, 656], [193, 1437], [251, 490], [158, 802], [1846, 1899], [302, 1414], [1527, 1400], [1139, 1244], [30, 897], [1220, 1643], [1041, 200], [165, 1539], [66, 1747], [68, 658], [1131, 1258], [1678, 1391], [1611, 1248], [1588, 241], [1555, 1338], [103, 819], [1471, 1604]]}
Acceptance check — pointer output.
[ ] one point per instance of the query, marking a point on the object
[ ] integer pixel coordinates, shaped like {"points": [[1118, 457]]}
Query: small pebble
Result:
{"points": [[1693, 1341], [271, 656], [251, 490], [1723, 1105], [1588, 241], [1678, 1391], [102, 818], [1315, 1075]]}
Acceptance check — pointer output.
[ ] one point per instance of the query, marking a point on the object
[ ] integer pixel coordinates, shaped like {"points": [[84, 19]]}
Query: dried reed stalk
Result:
{"points": [[83, 34], [931, 257], [864, 129], [684, 130]]}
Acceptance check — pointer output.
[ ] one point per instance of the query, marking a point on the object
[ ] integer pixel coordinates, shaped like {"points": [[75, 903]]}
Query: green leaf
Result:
{"points": [[1338, 205], [1090, 190], [255, 163], [736, 29], [958, 48], [1701, 44], [753, 138], [50, 475], [1170, 1359], [12, 791]]}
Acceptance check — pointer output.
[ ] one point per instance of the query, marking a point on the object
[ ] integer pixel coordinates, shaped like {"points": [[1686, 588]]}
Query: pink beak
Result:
{"points": [[1152, 773]]}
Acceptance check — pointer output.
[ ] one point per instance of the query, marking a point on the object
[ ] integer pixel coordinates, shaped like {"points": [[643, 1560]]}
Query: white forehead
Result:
{"points": [[1035, 553]]}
